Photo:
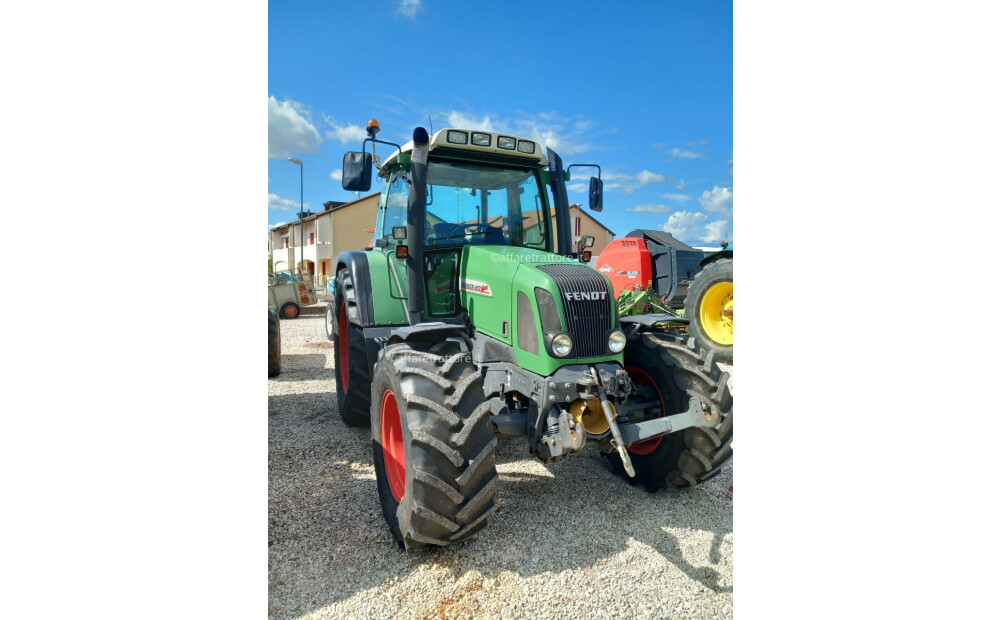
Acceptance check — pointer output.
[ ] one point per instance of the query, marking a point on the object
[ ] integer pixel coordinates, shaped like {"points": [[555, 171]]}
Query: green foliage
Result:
{"points": [[645, 301]]}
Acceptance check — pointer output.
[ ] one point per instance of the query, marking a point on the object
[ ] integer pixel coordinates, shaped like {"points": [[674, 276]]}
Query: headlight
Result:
{"points": [[562, 345], [616, 341]]}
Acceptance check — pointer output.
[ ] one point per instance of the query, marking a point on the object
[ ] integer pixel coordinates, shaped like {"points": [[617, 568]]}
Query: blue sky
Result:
{"points": [[642, 89]]}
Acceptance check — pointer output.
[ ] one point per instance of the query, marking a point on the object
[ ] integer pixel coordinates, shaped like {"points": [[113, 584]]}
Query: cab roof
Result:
{"points": [[440, 141]]}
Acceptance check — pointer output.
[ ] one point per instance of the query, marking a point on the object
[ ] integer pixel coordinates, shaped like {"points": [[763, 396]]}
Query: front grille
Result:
{"points": [[587, 321]]}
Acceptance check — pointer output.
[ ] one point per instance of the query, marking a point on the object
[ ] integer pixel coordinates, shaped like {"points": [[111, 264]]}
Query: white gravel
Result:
{"points": [[568, 540]]}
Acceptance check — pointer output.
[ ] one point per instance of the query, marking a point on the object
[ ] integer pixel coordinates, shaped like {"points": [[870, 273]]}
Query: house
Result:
{"points": [[319, 238]]}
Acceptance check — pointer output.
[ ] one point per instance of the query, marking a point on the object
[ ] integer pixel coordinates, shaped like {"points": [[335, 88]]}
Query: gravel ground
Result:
{"points": [[568, 540]]}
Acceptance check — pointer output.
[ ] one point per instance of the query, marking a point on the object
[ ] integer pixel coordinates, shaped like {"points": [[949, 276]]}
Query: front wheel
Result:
{"points": [[432, 444], [331, 315], [674, 370]]}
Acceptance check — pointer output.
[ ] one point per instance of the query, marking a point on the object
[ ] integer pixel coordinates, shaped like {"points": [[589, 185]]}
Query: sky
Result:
{"points": [[642, 89]]}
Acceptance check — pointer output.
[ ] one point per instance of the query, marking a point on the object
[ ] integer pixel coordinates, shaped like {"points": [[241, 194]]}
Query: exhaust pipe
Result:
{"points": [[415, 218]]}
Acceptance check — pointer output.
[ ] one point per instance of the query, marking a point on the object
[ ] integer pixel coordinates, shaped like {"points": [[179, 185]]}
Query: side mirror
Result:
{"points": [[587, 240], [357, 171], [596, 194]]}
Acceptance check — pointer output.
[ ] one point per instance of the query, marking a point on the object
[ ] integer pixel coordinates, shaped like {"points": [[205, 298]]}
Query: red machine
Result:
{"points": [[652, 259], [626, 262]]}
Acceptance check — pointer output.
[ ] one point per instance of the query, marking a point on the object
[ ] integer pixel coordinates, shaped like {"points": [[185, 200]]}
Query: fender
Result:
{"points": [[356, 264], [711, 258]]}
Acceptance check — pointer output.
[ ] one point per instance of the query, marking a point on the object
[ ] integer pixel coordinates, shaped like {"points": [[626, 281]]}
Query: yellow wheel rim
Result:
{"points": [[716, 313]]}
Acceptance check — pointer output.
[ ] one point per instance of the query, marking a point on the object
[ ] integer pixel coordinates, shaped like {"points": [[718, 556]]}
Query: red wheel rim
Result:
{"points": [[641, 377], [392, 446], [345, 348], [290, 312]]}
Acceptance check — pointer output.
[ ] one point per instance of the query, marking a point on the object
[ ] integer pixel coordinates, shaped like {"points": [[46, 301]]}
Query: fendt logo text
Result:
{"points": [[595, 296]]}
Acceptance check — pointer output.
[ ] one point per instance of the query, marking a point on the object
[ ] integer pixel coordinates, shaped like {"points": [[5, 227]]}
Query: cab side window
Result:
{"points": [[394, 210]]}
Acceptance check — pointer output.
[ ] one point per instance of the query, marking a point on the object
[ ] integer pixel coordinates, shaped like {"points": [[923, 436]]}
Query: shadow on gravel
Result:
{"points": [[303, 367], [327, 539]]}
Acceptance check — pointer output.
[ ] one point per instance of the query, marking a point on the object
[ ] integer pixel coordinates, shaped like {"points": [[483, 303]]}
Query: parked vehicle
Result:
{"points": [[289, 291], [680, 276], [466, 322]]}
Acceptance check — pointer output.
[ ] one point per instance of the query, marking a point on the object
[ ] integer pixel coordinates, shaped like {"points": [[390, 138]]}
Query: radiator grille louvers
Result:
{"points": [[587, 320]]}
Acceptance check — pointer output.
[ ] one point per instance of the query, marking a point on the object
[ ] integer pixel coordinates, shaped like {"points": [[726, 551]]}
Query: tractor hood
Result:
{"points": [[518, 295]]}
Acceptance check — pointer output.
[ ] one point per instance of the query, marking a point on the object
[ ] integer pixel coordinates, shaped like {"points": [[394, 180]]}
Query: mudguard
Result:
{"points": [[356, 264]]}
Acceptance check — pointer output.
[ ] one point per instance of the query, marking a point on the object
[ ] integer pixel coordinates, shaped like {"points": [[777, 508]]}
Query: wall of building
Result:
{"points": [[588, 226], [350, 224]]}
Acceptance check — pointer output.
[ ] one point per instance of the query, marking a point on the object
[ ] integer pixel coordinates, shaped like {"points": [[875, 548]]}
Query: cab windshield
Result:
{"points": [[469, 204]]}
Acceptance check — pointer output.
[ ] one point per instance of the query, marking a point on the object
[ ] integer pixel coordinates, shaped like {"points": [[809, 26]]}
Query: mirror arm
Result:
{"points": [[586, 166], [364, 145]]}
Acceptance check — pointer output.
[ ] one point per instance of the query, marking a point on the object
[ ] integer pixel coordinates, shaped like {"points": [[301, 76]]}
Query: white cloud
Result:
{"points": [[682, 184], [718, 201], [409, 8], [676, 152], [579, 188], [628, 191], [697, 143], [337, 174], [276, 225], [275, 201], [677, 197], [289, 129], [651, 209], [344, 133], [685, 225], [461, 121], [646, 177], [716, 231]]}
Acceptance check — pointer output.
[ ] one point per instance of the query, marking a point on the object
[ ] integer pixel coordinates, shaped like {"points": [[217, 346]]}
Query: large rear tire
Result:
{"points": [[273, 342], [679, 370], [709, 306], [351, 373], [432, 444]]}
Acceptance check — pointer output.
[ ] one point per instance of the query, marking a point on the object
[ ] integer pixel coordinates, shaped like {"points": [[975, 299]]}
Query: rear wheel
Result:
{"points": [[432, 444], [709, 306], [350, 355], [674, 370], [289, 310]]}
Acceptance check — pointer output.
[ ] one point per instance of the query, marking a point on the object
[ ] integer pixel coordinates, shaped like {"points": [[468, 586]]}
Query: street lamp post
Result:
{"points": [[302, 221]]}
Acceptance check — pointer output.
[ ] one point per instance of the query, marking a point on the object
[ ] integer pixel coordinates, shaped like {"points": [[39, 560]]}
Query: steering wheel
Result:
{"points": [[478, 228]]}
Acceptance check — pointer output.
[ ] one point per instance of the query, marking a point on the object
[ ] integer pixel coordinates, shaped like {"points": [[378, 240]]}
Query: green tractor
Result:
{"points": [[467, 322]]}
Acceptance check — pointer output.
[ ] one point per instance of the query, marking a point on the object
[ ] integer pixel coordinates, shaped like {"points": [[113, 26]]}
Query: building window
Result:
{"points": [[323, 265], [312, 238], [286, 243]]}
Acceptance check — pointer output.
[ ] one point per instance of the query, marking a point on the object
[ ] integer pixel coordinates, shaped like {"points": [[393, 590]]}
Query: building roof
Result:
{"points": [[596, 221], [337, 206]]}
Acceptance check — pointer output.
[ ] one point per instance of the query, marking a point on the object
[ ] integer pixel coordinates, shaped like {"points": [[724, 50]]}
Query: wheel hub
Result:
{"points": [[393, 452], [716, 313], [641, 377], [344, 346]]}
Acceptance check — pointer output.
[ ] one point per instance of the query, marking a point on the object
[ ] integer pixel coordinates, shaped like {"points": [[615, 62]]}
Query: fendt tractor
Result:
{"points": [[472, 318]]}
